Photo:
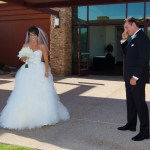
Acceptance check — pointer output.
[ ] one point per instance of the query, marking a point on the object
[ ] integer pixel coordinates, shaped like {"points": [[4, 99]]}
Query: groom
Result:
{"points": [[136, 74]]}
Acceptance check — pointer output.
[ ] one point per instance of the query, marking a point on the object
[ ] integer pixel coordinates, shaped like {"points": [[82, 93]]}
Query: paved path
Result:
{"points": [[97, 107]]}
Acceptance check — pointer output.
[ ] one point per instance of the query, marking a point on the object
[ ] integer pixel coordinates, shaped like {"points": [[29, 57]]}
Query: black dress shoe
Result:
{"points": [[127, 127], [140, 137]]}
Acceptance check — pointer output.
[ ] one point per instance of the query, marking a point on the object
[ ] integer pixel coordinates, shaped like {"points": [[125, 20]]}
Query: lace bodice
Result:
{"points": [[35, 57]]}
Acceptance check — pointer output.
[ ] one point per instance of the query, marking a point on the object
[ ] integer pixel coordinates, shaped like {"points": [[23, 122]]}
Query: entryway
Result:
{"points": [[91, 46]]}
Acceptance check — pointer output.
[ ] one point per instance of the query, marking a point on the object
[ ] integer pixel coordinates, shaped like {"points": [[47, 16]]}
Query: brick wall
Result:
{"points": [[61, 43]]}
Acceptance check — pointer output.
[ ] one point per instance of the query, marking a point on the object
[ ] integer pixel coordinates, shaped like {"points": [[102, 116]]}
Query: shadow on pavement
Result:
{"points": [[93, 123]]}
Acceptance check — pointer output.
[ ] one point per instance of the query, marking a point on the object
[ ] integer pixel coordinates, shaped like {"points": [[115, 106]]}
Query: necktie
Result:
{"points": [[129, 39]]}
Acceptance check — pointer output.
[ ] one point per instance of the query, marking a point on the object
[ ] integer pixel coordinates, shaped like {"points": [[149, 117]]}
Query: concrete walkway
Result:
{"points": [[97, 107]]}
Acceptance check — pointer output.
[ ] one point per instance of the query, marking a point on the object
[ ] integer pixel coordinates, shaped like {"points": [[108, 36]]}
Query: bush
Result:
{"points": [[1, 65], [4, 67]]}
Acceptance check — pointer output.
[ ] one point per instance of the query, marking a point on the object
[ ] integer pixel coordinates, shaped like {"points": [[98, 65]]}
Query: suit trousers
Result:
{"points": [[136, 106]]}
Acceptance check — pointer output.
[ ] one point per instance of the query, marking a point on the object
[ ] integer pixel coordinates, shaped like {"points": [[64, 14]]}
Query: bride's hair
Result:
{"points": [[42, 36], [33, 30]]}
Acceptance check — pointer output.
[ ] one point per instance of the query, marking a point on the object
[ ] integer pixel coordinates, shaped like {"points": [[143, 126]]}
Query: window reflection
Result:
{"points": [[110, 12], [148, 33], [84, 39], [136, 10], [82, 14], [148, 11], [107, 12]]}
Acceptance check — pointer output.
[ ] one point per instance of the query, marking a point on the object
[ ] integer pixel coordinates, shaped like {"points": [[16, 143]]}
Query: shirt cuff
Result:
{"points": [[136, 78], [122, 41]]}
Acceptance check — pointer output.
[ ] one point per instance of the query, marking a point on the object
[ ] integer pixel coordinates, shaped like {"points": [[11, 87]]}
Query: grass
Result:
{"points": [[13, 147]]}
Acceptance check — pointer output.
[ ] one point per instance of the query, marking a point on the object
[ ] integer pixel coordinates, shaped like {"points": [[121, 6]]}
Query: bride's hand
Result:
{"points": [[46, 74], [24, 59]]}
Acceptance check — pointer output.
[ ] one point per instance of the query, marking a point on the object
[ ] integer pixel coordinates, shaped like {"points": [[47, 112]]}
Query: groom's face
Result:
{"points": [[130, 28]]}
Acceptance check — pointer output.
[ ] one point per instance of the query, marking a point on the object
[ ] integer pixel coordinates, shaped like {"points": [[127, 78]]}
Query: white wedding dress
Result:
{"points": [[34, 101]]}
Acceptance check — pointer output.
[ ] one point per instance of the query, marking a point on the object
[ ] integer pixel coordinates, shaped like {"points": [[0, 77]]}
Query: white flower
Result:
{"points": [[25, 51]]}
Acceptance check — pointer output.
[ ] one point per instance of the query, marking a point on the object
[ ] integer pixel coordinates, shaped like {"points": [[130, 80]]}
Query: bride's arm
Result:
{"points": [[46, 60]]}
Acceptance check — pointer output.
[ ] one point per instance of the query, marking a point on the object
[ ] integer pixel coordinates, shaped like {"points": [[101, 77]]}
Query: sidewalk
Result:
{"points": [[97, 107]]}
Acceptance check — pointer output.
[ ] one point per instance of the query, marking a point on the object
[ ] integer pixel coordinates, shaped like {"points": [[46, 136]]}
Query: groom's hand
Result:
{"points": [[133, 81], [124, 35]]}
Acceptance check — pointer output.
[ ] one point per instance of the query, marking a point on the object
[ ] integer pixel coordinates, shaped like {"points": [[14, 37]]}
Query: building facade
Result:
{"points": [[77, 44], [97, 26]]}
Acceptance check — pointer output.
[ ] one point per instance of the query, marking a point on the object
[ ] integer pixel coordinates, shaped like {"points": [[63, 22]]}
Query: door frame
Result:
{"points": [[146, 25], [84, 71]]}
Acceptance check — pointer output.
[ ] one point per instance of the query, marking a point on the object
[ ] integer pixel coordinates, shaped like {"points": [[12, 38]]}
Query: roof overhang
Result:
{"points": [[65, 3], [47, 5]]}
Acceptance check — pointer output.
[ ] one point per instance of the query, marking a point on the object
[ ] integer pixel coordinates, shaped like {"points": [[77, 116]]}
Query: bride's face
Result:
{"points": [[33, 37]]}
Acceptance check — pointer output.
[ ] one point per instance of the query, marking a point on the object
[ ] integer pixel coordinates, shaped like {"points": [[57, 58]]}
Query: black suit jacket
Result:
{"points": [[136, 57]]}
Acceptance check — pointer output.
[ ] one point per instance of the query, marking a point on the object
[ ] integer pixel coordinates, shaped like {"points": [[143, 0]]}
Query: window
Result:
{"points": [[136, 10], [148, 10], [114, 12], [82, 14]]}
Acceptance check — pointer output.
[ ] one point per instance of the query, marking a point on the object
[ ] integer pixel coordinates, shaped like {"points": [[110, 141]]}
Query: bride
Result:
{"points": [[33, 102]]}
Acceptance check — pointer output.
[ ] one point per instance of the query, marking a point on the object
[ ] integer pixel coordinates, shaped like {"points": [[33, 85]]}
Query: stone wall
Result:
{"points": [[61, 43]]}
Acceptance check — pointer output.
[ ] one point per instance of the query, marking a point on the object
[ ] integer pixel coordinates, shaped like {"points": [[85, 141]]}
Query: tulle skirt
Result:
{"points": [[34, 101]]}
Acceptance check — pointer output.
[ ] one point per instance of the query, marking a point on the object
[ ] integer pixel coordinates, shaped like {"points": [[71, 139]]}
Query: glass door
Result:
{"points": [[148, 31], [83, 51]]}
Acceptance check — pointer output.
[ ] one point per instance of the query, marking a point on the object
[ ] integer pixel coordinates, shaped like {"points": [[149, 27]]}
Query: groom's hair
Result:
{"points": [[33, 30], [131, 20]]}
